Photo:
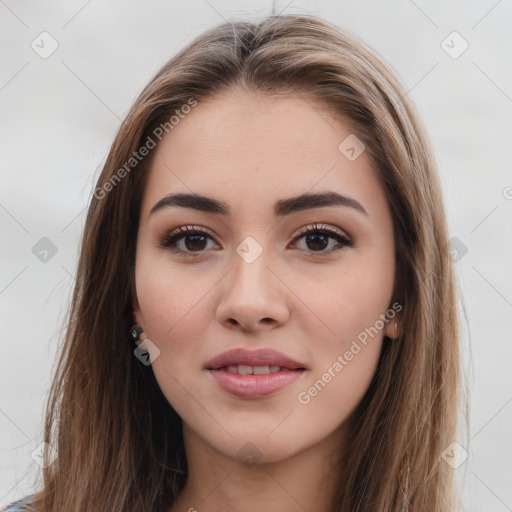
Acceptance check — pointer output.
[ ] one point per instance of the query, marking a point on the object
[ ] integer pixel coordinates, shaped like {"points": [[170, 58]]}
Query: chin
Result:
{"points": [[252, 447]]}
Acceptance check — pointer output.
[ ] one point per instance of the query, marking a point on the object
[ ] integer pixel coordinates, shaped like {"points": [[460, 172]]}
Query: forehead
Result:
{"points": [[250, 150]]}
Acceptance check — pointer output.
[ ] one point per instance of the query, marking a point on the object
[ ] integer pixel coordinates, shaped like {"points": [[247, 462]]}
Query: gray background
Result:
{"points": [[59, 116]]}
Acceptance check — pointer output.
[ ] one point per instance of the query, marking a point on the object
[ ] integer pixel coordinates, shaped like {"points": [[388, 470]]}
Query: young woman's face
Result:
{"points": [[253, 279]]}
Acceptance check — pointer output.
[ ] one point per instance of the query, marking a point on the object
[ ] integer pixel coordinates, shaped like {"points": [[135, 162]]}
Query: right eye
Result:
{"points": [[195, 240]]}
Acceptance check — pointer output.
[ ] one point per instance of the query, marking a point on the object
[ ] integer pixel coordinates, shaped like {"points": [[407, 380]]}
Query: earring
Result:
{"points": [[396, 329], [135, 333]]}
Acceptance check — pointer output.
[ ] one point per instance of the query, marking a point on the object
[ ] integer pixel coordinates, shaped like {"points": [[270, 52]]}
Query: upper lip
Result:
{"points": [[261, 357]]}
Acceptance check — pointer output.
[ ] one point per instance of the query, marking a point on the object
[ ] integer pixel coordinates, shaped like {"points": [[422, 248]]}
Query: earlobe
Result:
{"points": [[137, 328], [394, 328]]}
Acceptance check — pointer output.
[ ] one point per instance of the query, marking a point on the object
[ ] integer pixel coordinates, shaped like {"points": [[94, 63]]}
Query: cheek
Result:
{"points": [[342, 318], [338, 306], [174, 307], [346, 350], [173, 302], [177, 310]]}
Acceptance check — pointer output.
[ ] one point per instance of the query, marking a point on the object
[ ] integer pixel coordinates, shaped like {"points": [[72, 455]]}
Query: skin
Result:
{"points": [[250, 151]]}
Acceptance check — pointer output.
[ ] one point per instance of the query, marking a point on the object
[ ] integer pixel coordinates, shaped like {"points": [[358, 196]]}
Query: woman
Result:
{"points": [[264, 311]]}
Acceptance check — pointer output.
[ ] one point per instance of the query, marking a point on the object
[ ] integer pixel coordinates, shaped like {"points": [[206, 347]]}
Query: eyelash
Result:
{"points": [[169, 241]]}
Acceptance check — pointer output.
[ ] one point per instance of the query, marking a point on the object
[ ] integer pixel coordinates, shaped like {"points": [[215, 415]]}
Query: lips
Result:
{"points": [[251, 374], [254, 358]]}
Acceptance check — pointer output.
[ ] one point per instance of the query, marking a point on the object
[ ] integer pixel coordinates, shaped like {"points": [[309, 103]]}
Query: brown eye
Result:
{"points": [[195, 241], [317, 239]]}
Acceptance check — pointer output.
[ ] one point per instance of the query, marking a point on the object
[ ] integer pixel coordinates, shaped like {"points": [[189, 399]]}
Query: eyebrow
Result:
{"points": [[281, 208]]}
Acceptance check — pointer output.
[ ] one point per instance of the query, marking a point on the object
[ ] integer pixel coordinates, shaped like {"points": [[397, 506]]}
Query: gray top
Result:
{"points": [[18, 506]]}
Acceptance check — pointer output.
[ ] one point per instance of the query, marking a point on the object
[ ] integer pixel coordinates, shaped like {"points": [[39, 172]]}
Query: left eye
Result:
{"points": [[315, 236], [318, 236]]}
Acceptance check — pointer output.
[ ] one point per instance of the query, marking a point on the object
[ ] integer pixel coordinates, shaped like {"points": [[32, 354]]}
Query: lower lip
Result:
{"points": [[254, 386]]}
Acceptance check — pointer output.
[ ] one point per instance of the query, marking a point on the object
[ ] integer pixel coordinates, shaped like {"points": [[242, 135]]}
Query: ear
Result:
{"points": [[136, 313], [394, 327], [134, 301]]}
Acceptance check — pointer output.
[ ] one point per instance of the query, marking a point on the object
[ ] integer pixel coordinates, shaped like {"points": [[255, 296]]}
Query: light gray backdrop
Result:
{"points": [[70, 71]]}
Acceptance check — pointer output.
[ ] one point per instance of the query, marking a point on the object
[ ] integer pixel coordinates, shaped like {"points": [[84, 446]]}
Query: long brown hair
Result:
{"points": [[119, 441]]}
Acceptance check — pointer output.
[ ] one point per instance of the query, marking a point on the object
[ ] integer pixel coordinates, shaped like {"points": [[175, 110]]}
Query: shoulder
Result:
{"points": [[18, 506]]}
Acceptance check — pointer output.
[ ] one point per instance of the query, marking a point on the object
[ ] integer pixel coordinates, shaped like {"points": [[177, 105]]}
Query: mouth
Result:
{"points": [[254, 374], [254, 362], [244, 369]]}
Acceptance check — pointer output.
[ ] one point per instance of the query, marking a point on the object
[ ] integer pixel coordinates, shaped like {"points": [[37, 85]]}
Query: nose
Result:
{"points": [[253, 296]]}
